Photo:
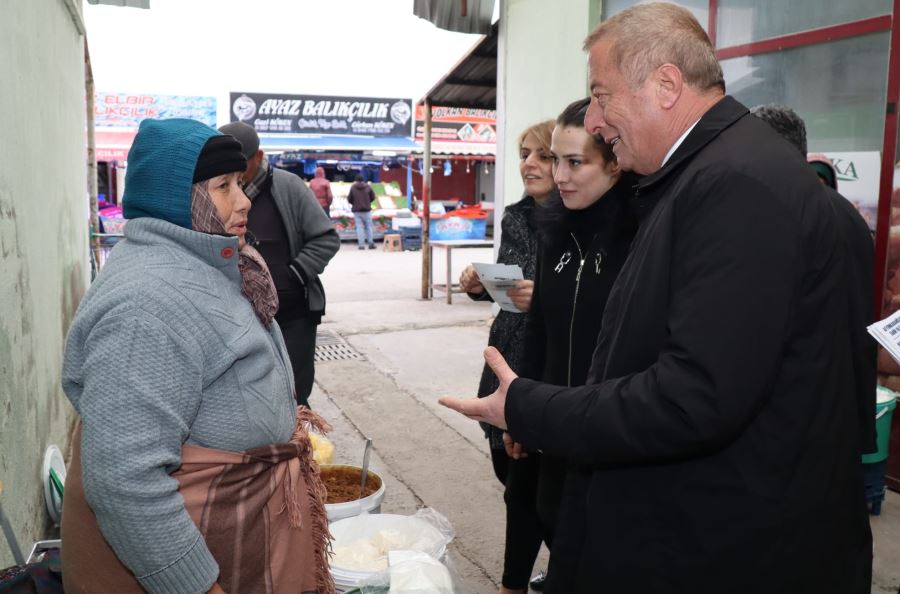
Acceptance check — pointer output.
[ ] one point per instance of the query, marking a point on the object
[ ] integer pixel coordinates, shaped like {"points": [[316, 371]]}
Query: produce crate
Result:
{"points": [[411, 238]]}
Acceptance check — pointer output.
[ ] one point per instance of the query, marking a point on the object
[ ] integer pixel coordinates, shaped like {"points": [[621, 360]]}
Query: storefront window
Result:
{"points": [[743, 21], [700, 8], [838, 88]]}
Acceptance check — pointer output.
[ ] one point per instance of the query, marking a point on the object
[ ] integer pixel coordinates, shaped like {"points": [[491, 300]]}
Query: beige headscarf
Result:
{"points": [[256, 281]]}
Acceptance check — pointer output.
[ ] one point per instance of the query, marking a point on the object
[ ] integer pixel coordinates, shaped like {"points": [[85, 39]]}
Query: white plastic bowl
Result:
{"points": [[370, 504]]}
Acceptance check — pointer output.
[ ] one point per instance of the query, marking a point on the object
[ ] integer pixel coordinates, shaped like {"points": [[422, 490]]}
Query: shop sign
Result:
{"points": [[125, 110], [316, 114], [458, 124], [111, 154], [445, 228], [858, 176]]}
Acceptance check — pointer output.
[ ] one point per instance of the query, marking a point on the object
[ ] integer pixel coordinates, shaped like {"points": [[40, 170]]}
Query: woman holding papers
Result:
{"points": [[518, 246], [584, 233]]}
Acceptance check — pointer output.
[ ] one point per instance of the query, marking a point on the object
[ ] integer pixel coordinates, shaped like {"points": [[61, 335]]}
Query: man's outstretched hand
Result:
{"points": [[489, 409]]}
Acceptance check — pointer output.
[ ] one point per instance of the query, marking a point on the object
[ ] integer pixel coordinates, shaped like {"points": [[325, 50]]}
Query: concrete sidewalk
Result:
{"points": [[410, 352]]}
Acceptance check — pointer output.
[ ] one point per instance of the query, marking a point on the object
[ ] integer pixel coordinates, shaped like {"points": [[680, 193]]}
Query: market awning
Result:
{"points": [[448, 149], [335, 142], [113, 145]]}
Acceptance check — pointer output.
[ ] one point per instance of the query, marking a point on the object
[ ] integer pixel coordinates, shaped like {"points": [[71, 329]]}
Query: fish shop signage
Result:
{"points": [[316, 114]]}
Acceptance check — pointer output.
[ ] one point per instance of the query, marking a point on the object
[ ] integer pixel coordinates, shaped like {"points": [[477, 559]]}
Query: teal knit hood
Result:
{"points": [[160, 170]]}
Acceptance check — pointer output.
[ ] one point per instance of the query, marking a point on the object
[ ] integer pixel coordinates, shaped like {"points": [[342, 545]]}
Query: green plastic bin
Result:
{"points": [[884, 412]]}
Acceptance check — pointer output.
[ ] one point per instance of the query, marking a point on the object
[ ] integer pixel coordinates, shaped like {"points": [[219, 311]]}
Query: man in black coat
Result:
{"points": [[721, 449], [860, 249]]}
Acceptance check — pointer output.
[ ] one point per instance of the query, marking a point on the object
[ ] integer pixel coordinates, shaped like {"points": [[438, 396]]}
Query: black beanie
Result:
{"points": [[220, 155]]}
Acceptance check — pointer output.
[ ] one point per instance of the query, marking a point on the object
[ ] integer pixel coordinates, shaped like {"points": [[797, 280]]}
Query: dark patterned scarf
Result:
{"points": [[256, 281], [255, 185]]}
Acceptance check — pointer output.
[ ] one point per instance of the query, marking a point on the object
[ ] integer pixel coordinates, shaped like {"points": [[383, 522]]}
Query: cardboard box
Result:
{"points": [[392, 243]]}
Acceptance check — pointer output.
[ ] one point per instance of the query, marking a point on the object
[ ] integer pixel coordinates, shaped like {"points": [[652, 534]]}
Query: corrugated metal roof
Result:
{"points": [[448, 14], [472, 82], [129, 3]]}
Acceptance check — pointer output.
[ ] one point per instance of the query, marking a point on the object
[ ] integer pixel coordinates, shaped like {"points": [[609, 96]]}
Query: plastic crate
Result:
{"points": [[410, 238]]}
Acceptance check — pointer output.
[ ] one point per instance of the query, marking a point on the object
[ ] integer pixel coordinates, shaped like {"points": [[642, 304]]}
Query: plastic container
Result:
{"points": [[346, 581], [411, 238], [454, 227], [419, 534], [884, 412], [370, 504]]}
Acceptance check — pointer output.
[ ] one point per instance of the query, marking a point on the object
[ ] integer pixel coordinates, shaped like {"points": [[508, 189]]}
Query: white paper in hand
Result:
{"points": [[887, 333], [497, 278]]}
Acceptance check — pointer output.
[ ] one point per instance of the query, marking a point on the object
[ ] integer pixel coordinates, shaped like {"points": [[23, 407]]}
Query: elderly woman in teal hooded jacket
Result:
{"points": [[191, 468]]}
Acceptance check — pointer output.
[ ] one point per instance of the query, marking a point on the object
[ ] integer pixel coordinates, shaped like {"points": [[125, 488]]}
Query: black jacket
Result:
{"points": [[580, 255], [360, 197], [719, 423], [861, 251], [518, 245], [312, 240]]}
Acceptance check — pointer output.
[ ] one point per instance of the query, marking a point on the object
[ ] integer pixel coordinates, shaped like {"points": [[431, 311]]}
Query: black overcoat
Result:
{"points": [[719, 427]]}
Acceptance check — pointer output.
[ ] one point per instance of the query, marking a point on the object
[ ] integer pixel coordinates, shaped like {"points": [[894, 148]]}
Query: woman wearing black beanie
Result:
{"points": [[191, 469]]}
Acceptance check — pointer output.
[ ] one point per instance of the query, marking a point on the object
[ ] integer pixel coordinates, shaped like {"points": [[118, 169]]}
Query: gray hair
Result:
{"points": [[647, 36], [785, 121]]}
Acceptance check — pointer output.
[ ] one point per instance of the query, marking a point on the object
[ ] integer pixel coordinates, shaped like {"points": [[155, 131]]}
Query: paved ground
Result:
{"points": [[413, 351]]}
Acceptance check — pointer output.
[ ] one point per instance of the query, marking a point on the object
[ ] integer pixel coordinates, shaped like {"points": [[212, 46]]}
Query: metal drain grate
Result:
{"points": [[331, 347]]}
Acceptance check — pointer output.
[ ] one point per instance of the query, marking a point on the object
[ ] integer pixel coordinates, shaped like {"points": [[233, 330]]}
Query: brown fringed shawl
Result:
{"points": [[261, 513]]}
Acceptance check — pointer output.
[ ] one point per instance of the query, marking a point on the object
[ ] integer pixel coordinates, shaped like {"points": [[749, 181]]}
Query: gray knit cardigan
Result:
{"points": [[164, 350]]}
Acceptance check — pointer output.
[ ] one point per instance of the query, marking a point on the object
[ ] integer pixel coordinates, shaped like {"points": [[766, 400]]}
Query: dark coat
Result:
{"points": [[312, 240], [861, 250], [518, 245], [360, 197], [718, 426], [566, 309], [580, 254]]}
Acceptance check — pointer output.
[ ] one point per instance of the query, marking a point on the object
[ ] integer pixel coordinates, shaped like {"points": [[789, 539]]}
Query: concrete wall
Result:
{"points": [[541, 70], [43, 243]]}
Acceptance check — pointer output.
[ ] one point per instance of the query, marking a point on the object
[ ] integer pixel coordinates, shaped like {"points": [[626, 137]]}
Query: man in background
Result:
{"points": [[297, 241], [321, 187], [360, 198], [860, 249]]}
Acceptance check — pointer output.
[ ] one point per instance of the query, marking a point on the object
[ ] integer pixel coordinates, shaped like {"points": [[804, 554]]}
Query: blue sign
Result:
{"points": [[127, 110]]}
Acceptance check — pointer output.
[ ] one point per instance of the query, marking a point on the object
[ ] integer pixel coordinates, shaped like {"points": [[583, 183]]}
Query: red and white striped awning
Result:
{"points": [[450, 149], [113, 145]]}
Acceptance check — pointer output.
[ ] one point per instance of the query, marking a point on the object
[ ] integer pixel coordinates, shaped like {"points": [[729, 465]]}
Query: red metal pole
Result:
{"points": [[713, 15], [888, 157], [883, 228], [804, 38]]}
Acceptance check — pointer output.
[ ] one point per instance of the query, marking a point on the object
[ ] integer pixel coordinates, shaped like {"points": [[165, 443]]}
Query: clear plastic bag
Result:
{"points": [[323, 448], [418, 565]]}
